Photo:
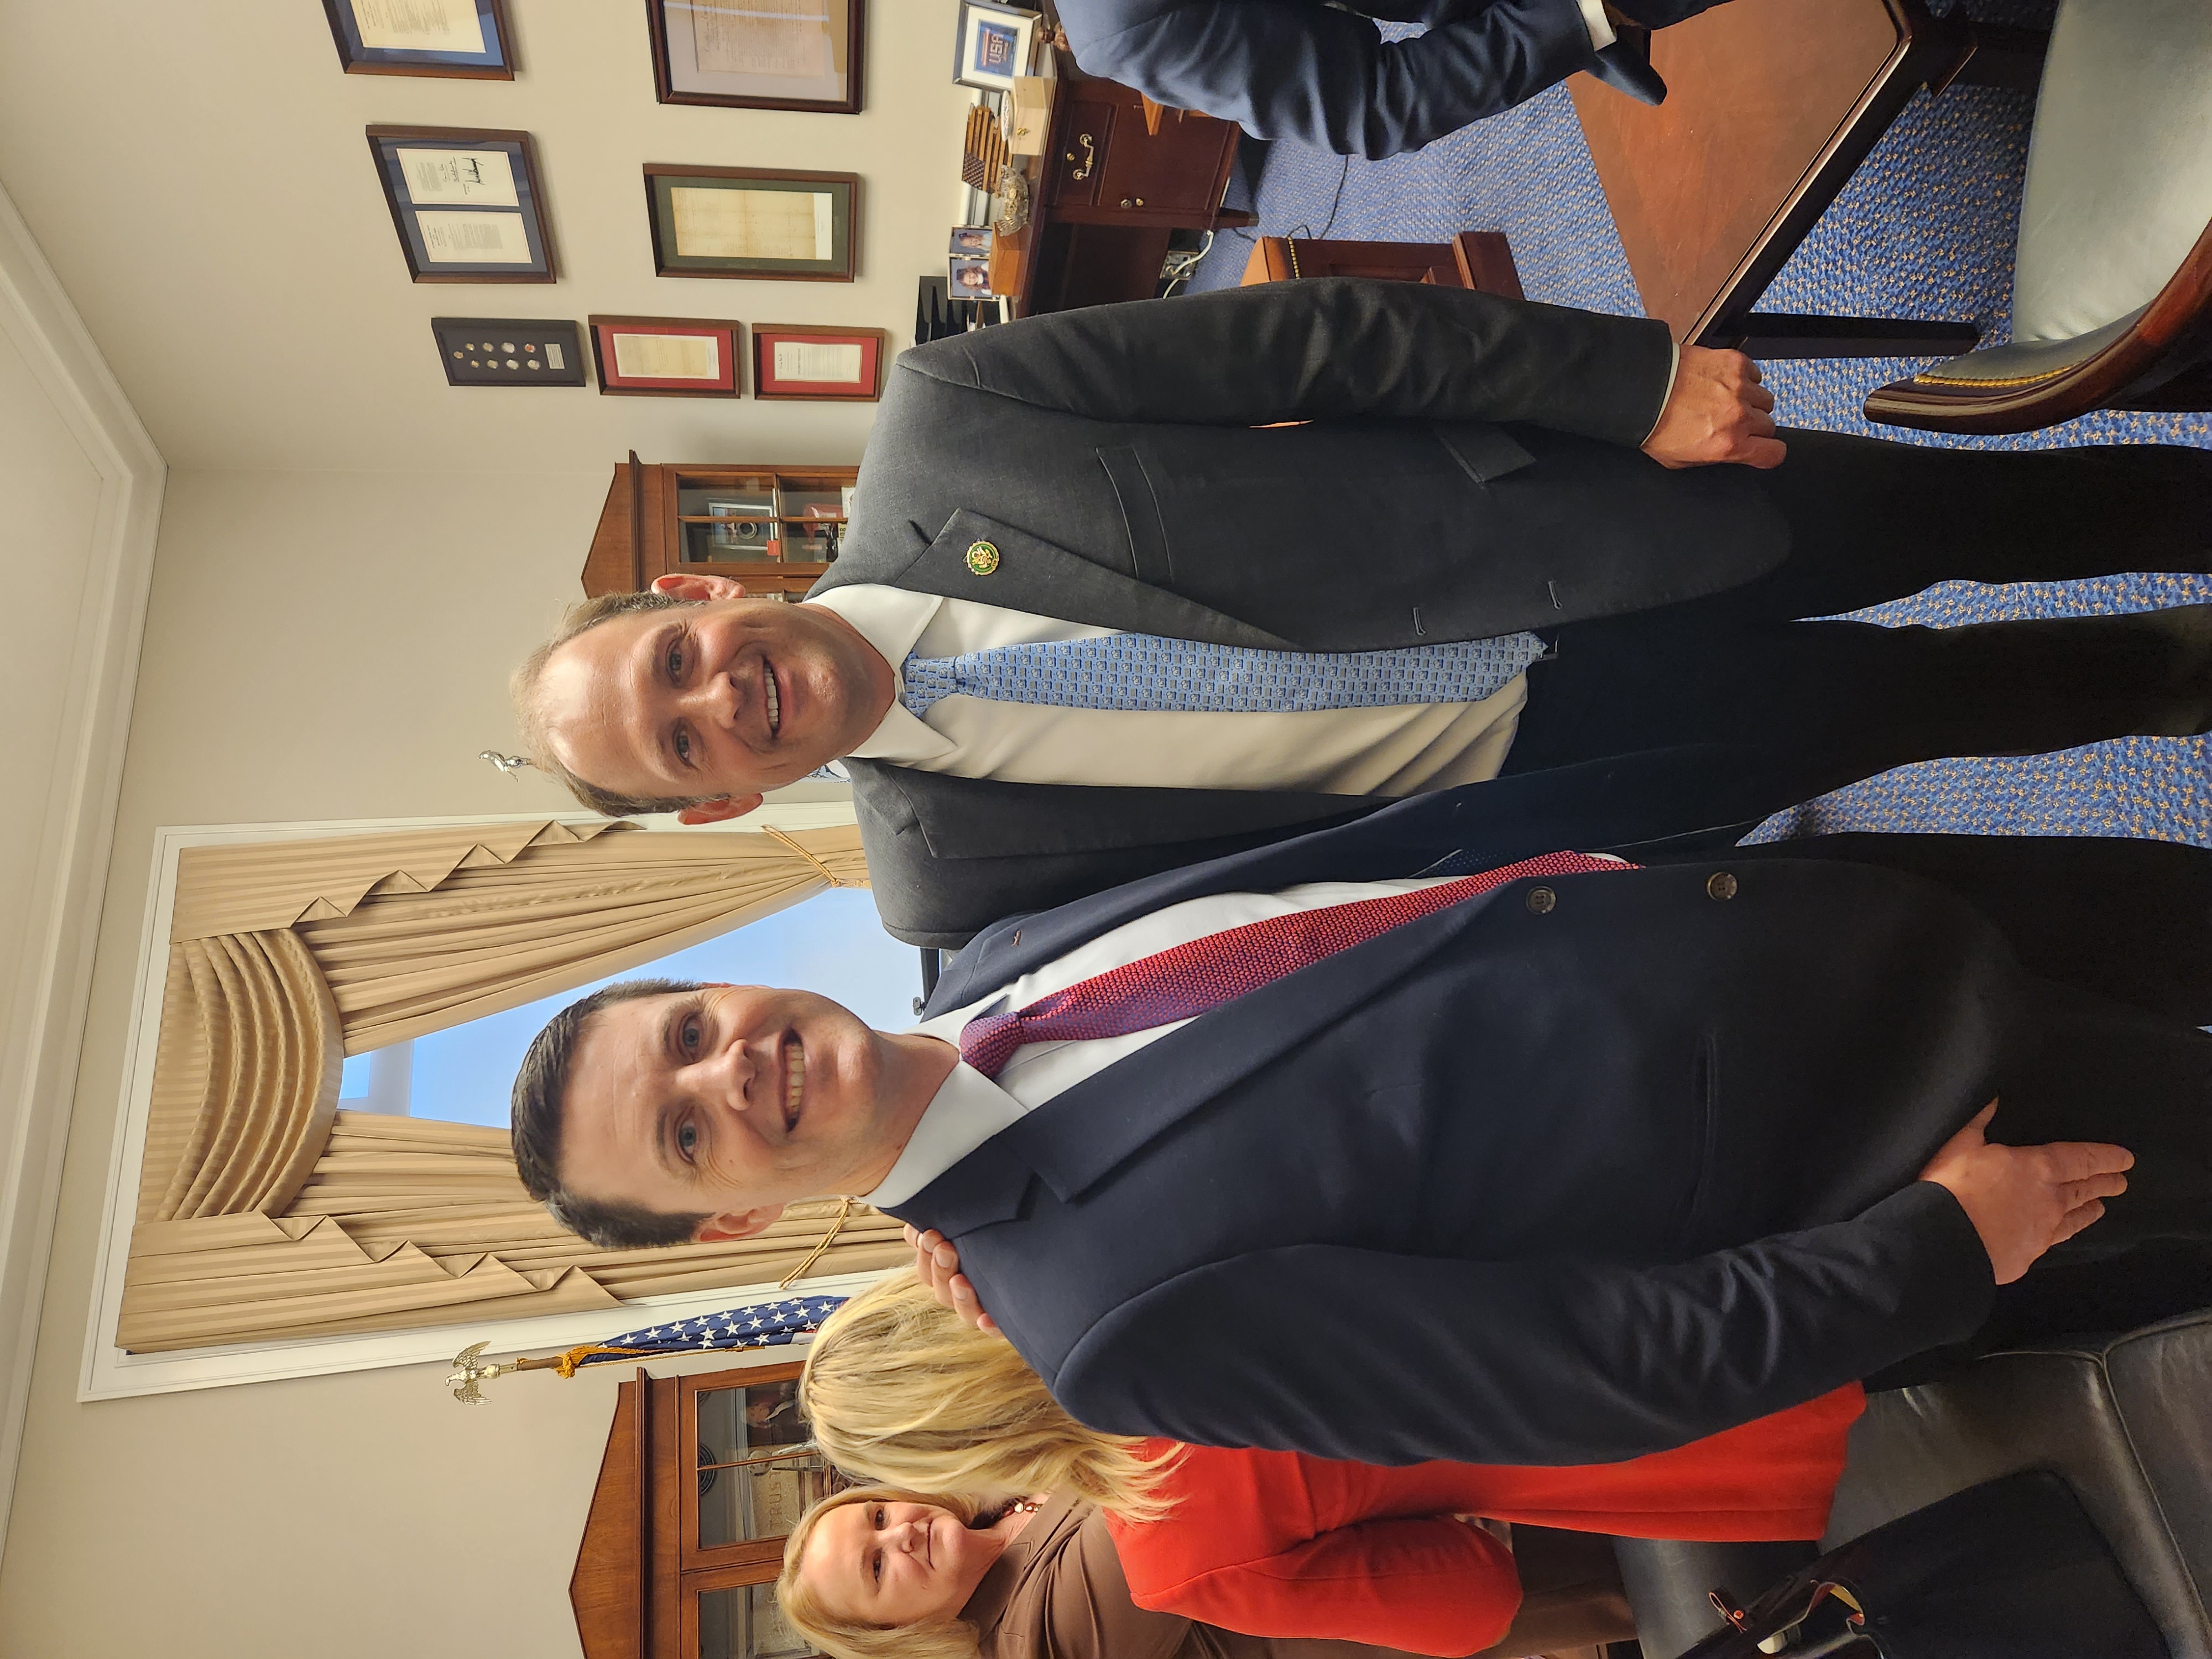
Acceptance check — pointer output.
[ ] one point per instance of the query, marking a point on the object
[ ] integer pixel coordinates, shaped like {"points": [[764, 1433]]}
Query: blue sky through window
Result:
{"points": [[831, 943]]}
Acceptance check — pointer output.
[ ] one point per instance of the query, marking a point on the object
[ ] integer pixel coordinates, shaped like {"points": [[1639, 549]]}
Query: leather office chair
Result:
{"points": [[2126, 1420], [2112, 273]]}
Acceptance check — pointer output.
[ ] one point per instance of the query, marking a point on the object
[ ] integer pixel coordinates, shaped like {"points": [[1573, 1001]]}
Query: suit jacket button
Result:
{"points": [[1541, 899], [1720, 885]]}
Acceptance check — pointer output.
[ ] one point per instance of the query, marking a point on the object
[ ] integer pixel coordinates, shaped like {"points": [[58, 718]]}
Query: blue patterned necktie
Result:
{"points": [[1143, 672]]}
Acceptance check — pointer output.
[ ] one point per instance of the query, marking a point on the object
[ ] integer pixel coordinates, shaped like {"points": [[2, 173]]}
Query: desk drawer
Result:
{"points": [[1073, 174]]}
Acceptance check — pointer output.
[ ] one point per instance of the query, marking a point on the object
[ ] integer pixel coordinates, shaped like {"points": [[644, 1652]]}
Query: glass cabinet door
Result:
{"points": [[757, 1472], [745, 1622]]}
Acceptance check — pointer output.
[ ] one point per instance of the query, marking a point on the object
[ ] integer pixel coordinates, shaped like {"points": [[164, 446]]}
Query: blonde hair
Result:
{"points": [[847, 1638], [901, 1391]]}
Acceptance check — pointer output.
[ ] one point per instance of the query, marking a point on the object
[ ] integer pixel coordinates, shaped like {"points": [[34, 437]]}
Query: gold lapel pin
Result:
{"points": [[983, 558]]}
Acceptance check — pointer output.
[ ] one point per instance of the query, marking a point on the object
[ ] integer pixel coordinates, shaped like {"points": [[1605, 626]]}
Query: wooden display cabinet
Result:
{"points": [[776, 529], [703, 1480]]}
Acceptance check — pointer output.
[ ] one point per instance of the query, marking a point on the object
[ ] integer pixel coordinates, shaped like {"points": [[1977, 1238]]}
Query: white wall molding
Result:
{"points": [[42, 1029], [110, 1373]]}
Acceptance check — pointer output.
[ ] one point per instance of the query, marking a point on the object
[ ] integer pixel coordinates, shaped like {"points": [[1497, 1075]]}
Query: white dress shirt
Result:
{"points": [[1599, 25], [1396, 750], [969, 1108]]}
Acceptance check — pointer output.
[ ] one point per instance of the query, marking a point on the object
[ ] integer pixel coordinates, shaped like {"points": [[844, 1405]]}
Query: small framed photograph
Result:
{"points": [[668, 356], [971, 241], [464, 37], [795, 54], [993, 46], [465, 202], [509, 351], [971, 277], [795, 360], [754, 221]]}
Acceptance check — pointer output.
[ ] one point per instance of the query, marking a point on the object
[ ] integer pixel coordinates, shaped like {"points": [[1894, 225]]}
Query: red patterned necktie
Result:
{"points": [[1189, 979]]}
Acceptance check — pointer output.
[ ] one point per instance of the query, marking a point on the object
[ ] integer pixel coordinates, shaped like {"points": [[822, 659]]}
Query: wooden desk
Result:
{"points": [[1113, 179], [1772, 105]]}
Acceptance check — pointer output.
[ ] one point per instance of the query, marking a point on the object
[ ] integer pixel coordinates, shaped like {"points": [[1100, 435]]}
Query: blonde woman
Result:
{"points": [[1272, 1545]]}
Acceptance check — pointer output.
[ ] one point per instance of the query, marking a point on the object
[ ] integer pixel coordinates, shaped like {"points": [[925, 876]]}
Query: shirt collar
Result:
{"points": [[890, 620], [966, 1111]]}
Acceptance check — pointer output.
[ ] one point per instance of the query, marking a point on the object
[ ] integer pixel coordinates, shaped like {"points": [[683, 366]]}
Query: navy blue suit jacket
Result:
{"points": [[1514, 1184], [1303, 70]]}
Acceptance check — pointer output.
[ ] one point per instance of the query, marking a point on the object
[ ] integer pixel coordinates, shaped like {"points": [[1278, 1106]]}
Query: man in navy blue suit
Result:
{"points": [[1565, 1165], [1323, 75]]}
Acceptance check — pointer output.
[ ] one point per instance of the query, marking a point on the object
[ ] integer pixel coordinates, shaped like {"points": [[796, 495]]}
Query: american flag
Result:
{"points": [[755, 1325]]}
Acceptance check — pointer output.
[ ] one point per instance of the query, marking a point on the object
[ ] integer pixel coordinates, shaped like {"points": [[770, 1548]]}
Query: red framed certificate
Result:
{"points": [[668, 356], [792, 360]]}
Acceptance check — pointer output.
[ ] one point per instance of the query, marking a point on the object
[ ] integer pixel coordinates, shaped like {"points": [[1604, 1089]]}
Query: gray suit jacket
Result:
{"points": [[1468, 465]]}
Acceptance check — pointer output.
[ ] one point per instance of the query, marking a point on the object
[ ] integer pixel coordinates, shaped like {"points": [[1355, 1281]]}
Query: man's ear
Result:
{"points": [[697, 586], [736, 1224], [718, 811]]}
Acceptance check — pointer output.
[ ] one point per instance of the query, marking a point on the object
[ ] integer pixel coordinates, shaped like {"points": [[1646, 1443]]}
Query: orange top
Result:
{"points": [[1279, 1544]]}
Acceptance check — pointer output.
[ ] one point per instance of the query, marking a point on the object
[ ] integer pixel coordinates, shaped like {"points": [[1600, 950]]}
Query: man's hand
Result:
{"points": [[938, 1264], [2023, 1200], [1717, 411]]}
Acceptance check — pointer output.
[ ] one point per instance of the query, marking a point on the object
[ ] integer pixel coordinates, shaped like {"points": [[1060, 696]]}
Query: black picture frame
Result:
{"points": [[663, 180], [495, 62], [509, 351], [681, 74], [436, 232]]}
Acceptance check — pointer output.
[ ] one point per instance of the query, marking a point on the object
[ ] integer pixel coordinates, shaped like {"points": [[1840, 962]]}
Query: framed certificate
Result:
{"points": [[668, 356], [466, 37], [754, 221], [745, 54], [466, 203], [794, 361], [993, 45]]}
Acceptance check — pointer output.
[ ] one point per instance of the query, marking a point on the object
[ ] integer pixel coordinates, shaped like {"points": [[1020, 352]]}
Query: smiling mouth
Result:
{"points": [[794, 1080], [773, 699]]}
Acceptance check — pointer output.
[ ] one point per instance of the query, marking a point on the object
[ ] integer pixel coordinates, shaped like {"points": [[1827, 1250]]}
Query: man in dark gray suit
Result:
{"points": [[1095, 617], [1323, 75]]}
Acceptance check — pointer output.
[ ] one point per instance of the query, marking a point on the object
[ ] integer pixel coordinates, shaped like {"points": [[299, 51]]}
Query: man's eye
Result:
{"points": [[684, 747], [688, 1034], [687, 1140], [674, 662]]}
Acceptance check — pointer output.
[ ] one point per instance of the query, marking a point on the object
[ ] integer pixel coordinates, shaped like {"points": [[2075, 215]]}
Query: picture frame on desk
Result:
{"points": [[993, 45], [467, 202], [804, 362], [457, 38], [797, 54], [769, 224], [668, 357], [970, 276]]}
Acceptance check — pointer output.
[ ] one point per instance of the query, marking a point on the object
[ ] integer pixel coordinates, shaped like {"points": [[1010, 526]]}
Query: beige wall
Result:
{"points": [[351, 554], [318, 646], [197, 172]]}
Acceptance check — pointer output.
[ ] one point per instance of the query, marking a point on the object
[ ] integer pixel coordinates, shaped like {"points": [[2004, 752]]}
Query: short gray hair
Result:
{"points": [[527, 682]]}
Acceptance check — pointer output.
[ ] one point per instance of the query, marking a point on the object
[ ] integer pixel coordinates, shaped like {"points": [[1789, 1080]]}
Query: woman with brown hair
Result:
{"points": [[1269, 1544]]}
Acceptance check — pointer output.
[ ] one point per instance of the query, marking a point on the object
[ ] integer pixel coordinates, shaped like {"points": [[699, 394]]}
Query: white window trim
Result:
{"points": [[110, 1373]]}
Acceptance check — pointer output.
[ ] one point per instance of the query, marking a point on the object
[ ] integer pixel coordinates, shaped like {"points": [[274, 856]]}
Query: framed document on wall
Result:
{"points": [[466, 37], [466, 203], [795, 360], [754, 221], [666, 356], [795, 54]]}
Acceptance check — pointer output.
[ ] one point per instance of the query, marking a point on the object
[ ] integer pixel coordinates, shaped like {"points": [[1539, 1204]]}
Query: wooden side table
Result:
{"points": [[1480, 259], [1114, 177], [1772, 105]]}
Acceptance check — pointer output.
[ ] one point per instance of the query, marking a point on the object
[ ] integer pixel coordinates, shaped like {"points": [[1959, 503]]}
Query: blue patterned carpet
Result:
{"points": [[1925, 229]]}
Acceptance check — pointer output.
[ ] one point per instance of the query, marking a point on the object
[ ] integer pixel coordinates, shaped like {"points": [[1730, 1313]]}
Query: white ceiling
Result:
{"points": [[195, 172]]}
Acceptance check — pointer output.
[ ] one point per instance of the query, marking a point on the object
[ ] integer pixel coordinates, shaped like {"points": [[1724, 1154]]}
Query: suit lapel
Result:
{"points": [[1081, 1134], [1033, 575]]}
